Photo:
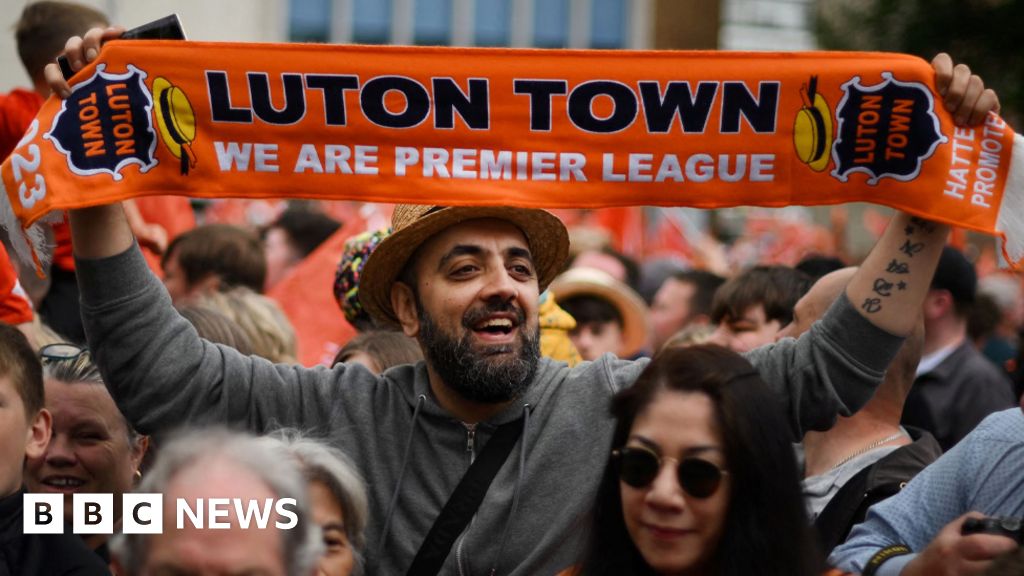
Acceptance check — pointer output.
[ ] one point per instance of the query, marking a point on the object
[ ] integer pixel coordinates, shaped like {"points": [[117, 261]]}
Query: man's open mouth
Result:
{"points": [[496, 326]]}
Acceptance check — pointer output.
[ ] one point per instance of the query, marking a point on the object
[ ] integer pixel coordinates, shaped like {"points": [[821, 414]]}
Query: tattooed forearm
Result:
{"points": [[893, 280]]}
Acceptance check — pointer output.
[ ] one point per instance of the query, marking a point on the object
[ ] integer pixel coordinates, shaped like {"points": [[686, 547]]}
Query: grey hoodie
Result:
{"points": [[163, 375]]}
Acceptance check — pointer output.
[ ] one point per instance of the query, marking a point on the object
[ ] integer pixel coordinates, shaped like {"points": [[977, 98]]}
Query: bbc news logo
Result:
{"points": [[144, 513]]}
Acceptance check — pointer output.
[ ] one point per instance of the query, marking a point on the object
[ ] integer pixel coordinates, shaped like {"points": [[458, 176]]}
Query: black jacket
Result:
{"points": [[954, 397], [41, 554], [874, 484]]}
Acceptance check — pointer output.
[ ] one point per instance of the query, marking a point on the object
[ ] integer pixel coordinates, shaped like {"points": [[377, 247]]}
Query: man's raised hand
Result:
{"points": [[79, 50], [964, 93]]}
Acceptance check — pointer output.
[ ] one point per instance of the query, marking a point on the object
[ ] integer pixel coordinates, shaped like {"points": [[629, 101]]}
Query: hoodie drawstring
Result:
{"points": [[401, 475], [515, 492]]}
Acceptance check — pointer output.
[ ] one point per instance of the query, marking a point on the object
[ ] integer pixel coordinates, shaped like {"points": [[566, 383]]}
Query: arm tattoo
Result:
{"points": [[910, 248], [882, 287], [871, 305], [897, 267]]}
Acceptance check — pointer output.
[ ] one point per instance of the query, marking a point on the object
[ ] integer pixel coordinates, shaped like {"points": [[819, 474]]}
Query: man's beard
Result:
{"points": [[475, 374]]}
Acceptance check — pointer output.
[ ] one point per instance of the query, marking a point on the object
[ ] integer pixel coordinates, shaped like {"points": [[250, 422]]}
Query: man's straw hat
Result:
{"points": [[600, 284], [412, 225]]}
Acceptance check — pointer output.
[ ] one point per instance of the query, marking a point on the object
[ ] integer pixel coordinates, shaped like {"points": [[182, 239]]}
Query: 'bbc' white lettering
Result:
{"points": [[144, 513], [92, 514], [248, 513], [43, 513]]}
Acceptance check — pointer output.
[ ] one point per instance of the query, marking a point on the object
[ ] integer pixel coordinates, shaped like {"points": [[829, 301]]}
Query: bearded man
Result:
{"points": [[465, 282]]}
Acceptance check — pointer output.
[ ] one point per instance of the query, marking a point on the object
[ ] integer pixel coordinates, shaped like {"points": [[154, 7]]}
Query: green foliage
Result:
{"points": [[987, 35]]}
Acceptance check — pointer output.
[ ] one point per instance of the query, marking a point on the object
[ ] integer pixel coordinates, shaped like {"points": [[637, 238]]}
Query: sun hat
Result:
{"points": [[598, 283], [413, 224]]}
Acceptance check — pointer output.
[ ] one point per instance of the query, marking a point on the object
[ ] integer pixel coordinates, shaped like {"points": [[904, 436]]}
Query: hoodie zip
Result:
{"points": [[471, 451], [470, 441]]}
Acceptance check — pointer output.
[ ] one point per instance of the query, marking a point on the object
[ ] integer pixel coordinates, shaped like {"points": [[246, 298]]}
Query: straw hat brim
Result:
{"points": [[635, 321], [546, 235]]}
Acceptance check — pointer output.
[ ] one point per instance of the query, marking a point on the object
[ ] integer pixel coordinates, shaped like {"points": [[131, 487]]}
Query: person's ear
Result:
{"points": [[138, 451], [403, 302], [206, 285], [937, 303], [38, 434]]}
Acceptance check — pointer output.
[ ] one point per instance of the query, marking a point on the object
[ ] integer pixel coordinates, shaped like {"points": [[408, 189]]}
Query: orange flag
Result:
{"points": [[307, 298], [541, 128]]}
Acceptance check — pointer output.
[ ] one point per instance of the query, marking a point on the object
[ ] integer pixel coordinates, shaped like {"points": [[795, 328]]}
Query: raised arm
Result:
{"points": [[892, 282], [834, 369], [890, 285], [163, 375], [100, 232]]}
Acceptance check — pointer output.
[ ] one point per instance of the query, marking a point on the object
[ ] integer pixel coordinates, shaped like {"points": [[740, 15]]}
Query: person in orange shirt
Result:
{"points": [[40, 35]]}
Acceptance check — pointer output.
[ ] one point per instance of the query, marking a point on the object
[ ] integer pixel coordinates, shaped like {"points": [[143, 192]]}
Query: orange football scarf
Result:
{"points": [[534, 128]]}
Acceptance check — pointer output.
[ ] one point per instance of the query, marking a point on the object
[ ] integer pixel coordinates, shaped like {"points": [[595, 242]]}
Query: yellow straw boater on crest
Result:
{"points": [[813, 130], [176, 121]]}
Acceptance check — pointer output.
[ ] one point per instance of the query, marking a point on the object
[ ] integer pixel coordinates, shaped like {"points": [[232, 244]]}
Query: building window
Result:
{"points": [[492, 22], [551, 23], [433, 22], [608, 23], [309, 20], [371, 22]]}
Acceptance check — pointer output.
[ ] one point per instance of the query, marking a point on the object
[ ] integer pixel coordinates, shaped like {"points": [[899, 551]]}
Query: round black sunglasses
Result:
{"points": [[638, 467]]}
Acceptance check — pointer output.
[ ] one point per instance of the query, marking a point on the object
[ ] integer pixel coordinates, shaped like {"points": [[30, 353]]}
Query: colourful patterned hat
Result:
{"points": [[346, 279]]}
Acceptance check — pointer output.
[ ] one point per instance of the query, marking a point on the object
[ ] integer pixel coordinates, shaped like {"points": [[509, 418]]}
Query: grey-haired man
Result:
{"points": [[205, 464]]}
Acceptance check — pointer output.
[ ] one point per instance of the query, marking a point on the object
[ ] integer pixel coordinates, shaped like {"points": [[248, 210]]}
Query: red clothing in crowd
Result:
{"points": [[14, 304], [17, 109]]}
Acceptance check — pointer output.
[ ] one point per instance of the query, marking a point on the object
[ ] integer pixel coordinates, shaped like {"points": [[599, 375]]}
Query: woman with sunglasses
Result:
{"points": [[93, 449], [701, 478]]}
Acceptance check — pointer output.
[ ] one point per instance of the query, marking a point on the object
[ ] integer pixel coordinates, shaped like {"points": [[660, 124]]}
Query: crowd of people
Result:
{"points": [[511, 402]]}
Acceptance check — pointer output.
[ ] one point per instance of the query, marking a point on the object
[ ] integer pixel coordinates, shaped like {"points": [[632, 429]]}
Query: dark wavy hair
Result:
{"points": [[766, 530], [775, 288]]}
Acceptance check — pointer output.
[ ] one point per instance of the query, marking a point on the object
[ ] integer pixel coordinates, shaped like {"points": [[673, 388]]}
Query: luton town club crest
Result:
{"points": [[106, 124], [885, 130]]}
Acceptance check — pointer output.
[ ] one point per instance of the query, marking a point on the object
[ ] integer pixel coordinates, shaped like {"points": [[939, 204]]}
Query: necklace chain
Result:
{"points": [[869, 447]]}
